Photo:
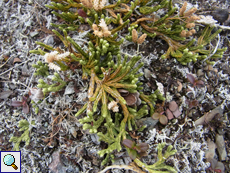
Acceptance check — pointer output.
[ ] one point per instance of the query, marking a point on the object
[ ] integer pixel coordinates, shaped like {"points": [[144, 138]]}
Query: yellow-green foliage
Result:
{"points": [[159, 166], [24, 125]]}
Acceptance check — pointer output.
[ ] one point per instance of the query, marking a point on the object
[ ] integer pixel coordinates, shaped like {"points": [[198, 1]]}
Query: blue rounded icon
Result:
{"points": [[8, 159]]}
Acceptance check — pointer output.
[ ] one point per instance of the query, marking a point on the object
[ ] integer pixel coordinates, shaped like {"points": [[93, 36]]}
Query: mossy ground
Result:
{"points": [[55, 124]]}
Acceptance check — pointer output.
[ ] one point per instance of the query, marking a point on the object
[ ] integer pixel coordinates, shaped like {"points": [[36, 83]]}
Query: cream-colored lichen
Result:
{"points": [[54, 56], [113, 106], [207, 20], [99, 4], [103, 31]]}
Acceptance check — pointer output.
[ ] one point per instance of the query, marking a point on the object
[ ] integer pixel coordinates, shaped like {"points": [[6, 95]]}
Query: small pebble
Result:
{"points": [[147, 73], [221, 15], [200, 73], [221, 147], [149, 122], [33, 34]]}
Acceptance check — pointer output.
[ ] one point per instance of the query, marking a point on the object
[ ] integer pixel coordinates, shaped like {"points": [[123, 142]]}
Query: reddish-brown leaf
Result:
{"points": [[199, 83], [5, 94], [169, 114], [16, 103], [82, 13], [26, 108], [142, 147], [16, 60], [191, 78], [128, 143], [193, 103]]}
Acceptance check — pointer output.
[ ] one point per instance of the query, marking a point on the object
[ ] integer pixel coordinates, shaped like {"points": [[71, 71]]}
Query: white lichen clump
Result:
{"points": [[104, 29], [99, 5], [207, 20], [113, 106], [96, 4], [54, 56]]}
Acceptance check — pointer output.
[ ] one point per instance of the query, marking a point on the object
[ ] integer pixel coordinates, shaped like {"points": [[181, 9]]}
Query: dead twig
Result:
{"points": [[15, 66]]}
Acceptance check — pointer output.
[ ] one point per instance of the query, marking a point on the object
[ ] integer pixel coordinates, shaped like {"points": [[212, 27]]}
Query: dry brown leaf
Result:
{"points": [[156, 116], [5, 94], [163, 119], [130, 99], [179, 88], [16, 60]]}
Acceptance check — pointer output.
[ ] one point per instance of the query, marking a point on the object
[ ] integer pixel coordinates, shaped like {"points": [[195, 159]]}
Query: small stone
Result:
{"points": [[149, 122], [33, 34], [200, 73], [177, 113], [56, 166], [221, 147], [46, 124], [209, 68], [168, 68], [49, 40], [179, 88], [147, 73], [69, 89], [123, 92], [5, 94], [221, 15], [178, 95], [173, 106], [163, 119], [220, 131], [169, 114], [95, 139], [209, 155]]}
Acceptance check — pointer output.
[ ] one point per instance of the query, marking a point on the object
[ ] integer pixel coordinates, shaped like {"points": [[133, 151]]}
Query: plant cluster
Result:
{"points": [[24, 125], [107, 111]]}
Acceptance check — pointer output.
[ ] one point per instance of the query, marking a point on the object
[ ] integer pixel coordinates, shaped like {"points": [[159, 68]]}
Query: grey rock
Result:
{"points": [[33, 34], [147, 73], [56, 166], [208, 117], [149, 122], [200, 73], [95, 138], [221, 147], [69, 89], [49, 40]]}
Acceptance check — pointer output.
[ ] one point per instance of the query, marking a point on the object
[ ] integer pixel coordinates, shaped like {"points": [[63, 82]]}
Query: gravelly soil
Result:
{"points": [[58, 143]]}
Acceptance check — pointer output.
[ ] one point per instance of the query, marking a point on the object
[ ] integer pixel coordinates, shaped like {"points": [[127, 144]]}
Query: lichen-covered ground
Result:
{"points": [[58, 143]]}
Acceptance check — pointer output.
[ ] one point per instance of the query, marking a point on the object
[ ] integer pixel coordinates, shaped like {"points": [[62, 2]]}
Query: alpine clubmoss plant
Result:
{"points": [[24, 126], [159, 166], [107, 112]]}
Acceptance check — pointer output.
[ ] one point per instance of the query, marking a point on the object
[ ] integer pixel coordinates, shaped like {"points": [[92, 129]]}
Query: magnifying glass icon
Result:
{"points": [[9, 160]]}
